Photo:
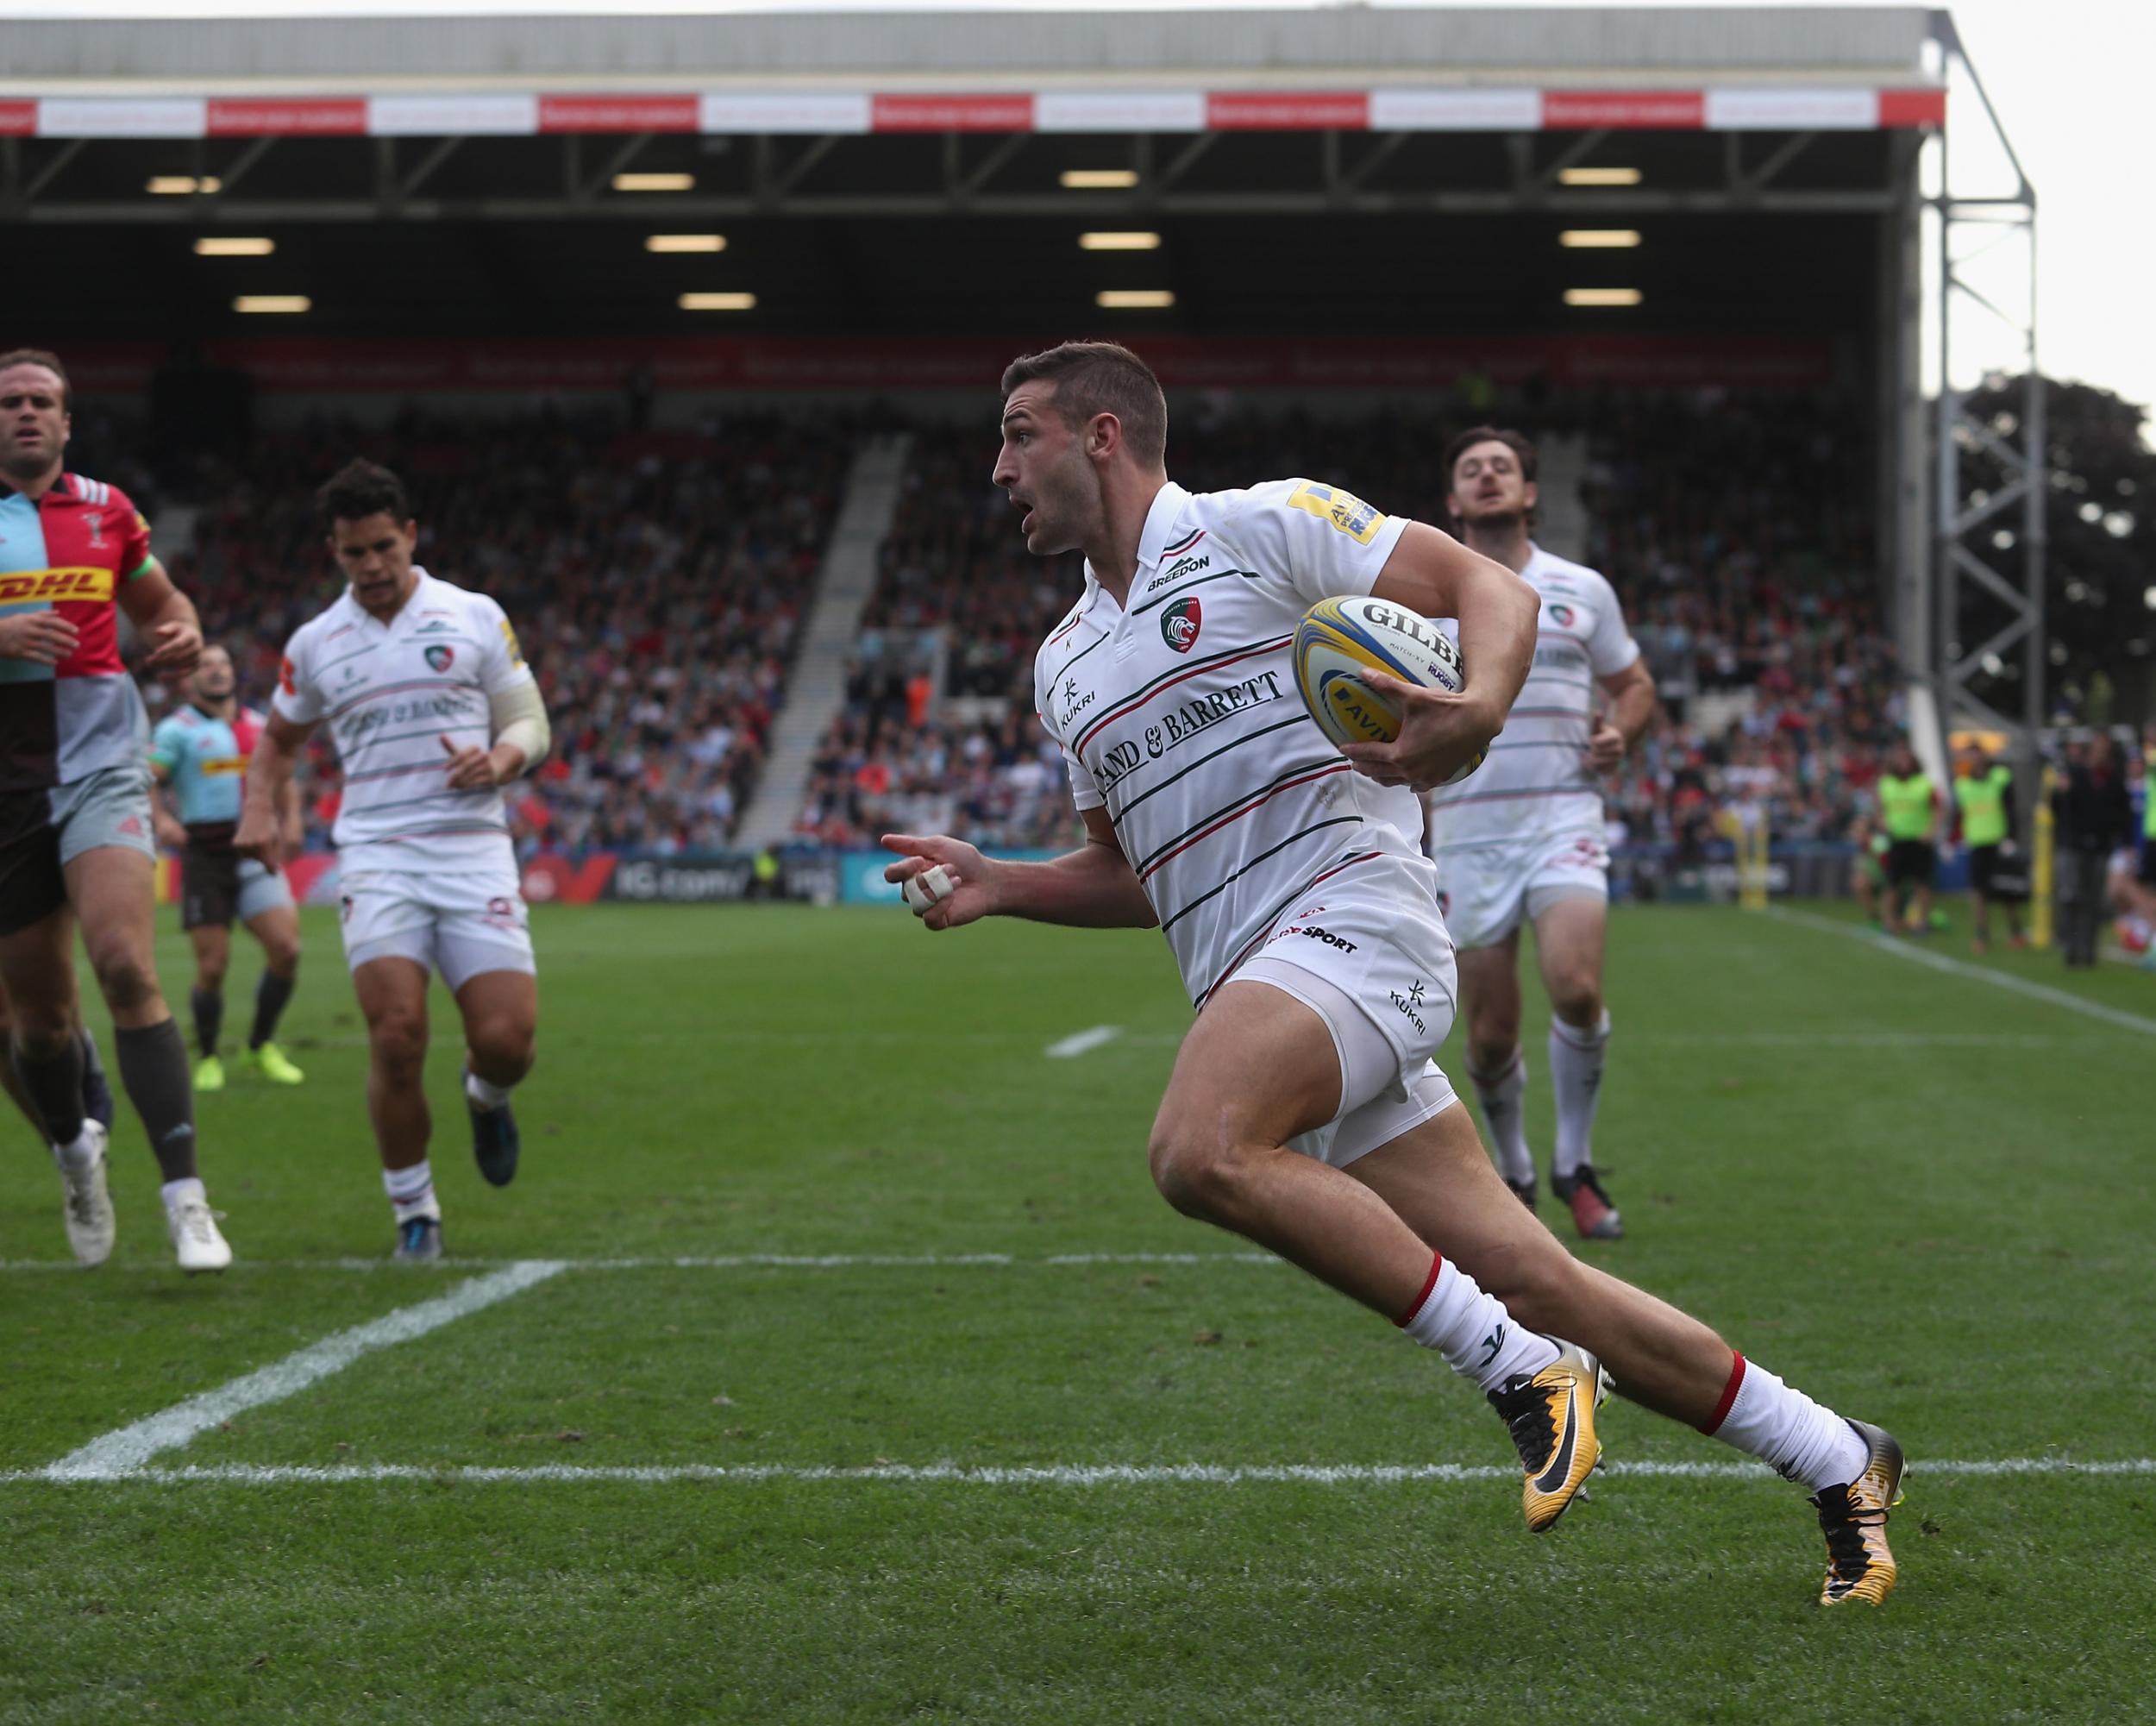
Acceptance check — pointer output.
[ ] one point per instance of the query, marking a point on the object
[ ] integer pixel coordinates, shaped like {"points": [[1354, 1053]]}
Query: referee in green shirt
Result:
{"points": [[1985, 795]]}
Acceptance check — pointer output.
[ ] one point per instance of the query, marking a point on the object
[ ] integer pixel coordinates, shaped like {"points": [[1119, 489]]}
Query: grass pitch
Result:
{"points": [[1921, 1196]]}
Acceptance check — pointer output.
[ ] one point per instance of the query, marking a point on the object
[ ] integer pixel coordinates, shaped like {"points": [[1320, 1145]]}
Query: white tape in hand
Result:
{"points": [[925, 891]]}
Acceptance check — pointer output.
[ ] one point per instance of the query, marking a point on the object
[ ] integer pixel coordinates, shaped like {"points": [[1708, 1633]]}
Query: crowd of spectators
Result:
{"points": [[659, 579], [1736, 531], [1740, 541]]}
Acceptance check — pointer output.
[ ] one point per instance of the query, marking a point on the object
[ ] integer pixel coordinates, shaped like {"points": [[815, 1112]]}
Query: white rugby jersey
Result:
{"points": [[1536, 781], [390, 693], [1181, 717]]}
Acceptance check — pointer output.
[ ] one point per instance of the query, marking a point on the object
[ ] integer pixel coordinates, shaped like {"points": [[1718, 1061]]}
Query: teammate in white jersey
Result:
{"points": [[1304, 1111], [433, 710], [1521, 840]]}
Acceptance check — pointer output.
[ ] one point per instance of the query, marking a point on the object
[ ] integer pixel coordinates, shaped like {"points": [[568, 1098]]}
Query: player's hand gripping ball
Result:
{"points": [[930, 887], [1340, 640]]}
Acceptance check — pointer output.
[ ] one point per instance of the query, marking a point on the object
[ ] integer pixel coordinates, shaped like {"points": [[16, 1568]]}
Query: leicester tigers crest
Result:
{"points": [[1179, 625]]}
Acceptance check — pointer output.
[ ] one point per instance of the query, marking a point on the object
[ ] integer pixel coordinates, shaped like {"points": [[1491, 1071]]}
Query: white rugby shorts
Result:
{"points": [[460, 924], [1485, 891], [1376, 966]]}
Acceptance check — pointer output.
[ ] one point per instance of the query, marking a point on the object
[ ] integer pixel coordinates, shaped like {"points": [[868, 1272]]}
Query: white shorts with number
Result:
{"points": [[461, 925], [1371, 957], [1486, 891]]}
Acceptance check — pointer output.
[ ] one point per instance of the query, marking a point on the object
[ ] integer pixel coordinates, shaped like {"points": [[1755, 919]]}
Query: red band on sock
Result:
{"points": [[1713, 1422], [1437, 1264]]}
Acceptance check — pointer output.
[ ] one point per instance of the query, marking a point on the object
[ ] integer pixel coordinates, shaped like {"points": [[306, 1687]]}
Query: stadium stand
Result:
{"points": [[1754, 602], [667, 576]]}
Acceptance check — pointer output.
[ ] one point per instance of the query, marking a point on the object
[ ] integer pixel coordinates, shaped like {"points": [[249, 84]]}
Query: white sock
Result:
{"points": [[1504, 1112], [411, 1191], [1801, 1439], [1472, 1330], [1576, 1081], [82, 1152], [177, 1193], [481, 1094]]}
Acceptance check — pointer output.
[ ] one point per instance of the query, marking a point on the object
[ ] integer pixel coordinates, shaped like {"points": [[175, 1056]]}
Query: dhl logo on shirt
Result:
{"points": [[227, 764], [55, 585]]}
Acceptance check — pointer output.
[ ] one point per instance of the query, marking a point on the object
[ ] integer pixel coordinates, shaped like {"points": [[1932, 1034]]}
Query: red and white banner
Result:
{"points": [[526, 114], [780, 363]]}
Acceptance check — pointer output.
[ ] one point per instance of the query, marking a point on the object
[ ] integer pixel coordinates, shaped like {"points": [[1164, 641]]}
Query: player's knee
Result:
{"points": [[1490, 1048], [281, 954], [1493, 1034], [209, 973], [397, 1041], [1194, 1172], [502, 1045], [125, 975], [41, 1029], [1575, 996]]}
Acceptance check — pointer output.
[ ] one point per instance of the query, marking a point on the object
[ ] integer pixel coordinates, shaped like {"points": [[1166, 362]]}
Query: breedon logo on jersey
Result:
{"points": [[1179, 625], [440, 657], [54, 585]]}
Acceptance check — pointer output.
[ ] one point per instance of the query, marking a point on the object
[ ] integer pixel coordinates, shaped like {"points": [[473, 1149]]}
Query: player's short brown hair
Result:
{"points": [[1474, 435], [1101, 377], [41, 356], [359, 489]]}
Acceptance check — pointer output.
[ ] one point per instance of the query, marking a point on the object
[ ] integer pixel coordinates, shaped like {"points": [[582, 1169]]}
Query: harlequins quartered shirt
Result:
{"points": [[1180, 716], [70, 551], [206, 758]]}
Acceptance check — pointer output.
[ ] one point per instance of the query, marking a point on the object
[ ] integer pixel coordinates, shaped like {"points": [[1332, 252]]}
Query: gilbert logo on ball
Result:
{"points": [[1179, 625], [1339, 641]]}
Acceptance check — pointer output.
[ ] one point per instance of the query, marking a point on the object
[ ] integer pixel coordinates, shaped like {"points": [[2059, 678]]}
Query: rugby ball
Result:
{"points": [[1340, 639]]}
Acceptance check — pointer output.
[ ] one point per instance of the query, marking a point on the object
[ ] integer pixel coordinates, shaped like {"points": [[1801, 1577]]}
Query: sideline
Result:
{"points": [[1940, 962], [120, 1455], [1073, 1474]]}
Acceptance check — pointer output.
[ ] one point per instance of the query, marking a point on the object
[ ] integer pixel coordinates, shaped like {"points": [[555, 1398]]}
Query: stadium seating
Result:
{"points": [[1754, 601], [659, 579]]}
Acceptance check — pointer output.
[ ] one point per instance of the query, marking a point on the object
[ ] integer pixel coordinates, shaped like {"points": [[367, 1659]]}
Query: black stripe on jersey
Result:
{"points": [[1176, 590], [1082, 653], [1223, 885], [1137, 698], [1184, 543], [1251, 736], [1243, 796]]}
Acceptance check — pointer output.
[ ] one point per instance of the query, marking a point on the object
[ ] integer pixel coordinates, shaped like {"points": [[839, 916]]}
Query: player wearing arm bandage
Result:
{"points": [[432, 711]]}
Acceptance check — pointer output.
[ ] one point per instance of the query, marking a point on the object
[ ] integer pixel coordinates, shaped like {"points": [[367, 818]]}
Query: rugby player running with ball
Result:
{"points": [[1304, 1111]]}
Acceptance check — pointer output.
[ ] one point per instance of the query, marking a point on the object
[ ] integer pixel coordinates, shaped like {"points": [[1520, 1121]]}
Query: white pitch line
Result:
{"points": [[1940, 962], [1072, 1474], [1082, 1041], [124, 1452], [732, 1261]]}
